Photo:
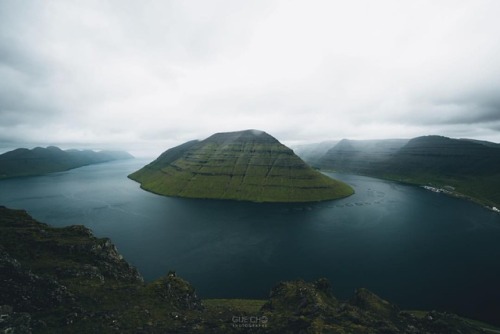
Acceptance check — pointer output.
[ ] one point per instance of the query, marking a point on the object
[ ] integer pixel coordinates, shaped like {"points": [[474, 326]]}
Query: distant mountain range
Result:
{"points": [[469, 168], [315, 151], [39, 161], [246, 165], [359, 156]]}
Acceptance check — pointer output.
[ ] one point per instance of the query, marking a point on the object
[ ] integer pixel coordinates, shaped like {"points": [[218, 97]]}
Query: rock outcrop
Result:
{"points": [[302, 307], [65, 280]]}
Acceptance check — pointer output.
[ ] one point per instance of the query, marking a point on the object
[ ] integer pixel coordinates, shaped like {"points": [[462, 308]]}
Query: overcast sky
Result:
{"points": [[147, 75]]}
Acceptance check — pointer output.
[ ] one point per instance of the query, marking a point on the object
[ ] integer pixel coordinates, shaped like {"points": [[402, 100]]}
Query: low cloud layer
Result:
{"points": [[147, 75]]}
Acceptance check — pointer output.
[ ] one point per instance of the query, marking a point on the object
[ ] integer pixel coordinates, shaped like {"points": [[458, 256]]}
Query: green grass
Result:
{"points": [[260, 172], [482, 189], [471, 167], [251, 306]]}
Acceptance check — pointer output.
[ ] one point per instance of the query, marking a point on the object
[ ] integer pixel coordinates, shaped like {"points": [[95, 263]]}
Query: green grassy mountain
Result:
{"points": [[38, 161], [246, 165], [65, 280], [468, 166]]}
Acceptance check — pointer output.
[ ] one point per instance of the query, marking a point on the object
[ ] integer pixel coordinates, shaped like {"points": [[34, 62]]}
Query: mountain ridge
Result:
{"points": [[39, 161], [468, 166], [360, 155]]}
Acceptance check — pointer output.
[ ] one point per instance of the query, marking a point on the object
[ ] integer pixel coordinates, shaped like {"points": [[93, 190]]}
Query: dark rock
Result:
{"points": [[301, 298], [14, 322], [26, 291], [177, 292], [298, 306], [369, 301]]}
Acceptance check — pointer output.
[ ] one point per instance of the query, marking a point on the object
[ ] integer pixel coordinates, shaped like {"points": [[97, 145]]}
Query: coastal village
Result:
{"points": [[449, 190]]}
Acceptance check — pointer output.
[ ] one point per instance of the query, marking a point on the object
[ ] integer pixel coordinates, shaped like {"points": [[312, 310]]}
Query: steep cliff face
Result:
{"points": [[69, 252], [67, 280], [246, 165]]}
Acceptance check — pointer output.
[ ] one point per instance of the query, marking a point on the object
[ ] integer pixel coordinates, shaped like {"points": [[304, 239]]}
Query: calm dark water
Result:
{"points": [[416, 248]]}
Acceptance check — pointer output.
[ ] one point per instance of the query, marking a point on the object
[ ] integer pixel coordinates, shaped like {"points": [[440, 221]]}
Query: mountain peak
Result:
{"points": [[244, 135], [246, 165]]}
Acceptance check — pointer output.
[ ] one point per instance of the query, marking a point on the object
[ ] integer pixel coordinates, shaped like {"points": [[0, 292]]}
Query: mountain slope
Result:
{"points": [[312, 153], [446, 156], [38, 161], [472, 168], [360, 156], [469, 166], [245, 165]]}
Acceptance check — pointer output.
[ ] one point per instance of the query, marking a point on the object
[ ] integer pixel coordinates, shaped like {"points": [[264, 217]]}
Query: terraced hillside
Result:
{"points": [[245, 165]]}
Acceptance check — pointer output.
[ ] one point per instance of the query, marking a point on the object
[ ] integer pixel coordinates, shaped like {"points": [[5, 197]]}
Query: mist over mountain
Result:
{"points": [[469, 166], [38, 161], [313, 152], [245, 165], [360, 156], [446, 157]]}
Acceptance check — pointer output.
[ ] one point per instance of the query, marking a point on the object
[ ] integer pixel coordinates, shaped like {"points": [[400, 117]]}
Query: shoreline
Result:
{"points": [[446, 189]]}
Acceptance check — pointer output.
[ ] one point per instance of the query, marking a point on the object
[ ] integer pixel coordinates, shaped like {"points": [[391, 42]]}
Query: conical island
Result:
{"points": [[248, 165]]}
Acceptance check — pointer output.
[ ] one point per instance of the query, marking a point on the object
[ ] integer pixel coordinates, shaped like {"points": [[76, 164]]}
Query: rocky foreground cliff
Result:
{"points": [[65, 280]]}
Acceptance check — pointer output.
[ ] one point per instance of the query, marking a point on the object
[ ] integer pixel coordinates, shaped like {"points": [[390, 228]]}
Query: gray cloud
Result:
{"points": [[156, 73]]}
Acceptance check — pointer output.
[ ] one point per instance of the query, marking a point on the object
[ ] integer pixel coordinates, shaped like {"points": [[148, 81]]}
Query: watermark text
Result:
{"points": [[250, 321]]}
